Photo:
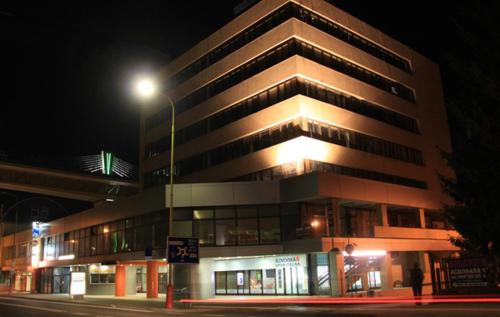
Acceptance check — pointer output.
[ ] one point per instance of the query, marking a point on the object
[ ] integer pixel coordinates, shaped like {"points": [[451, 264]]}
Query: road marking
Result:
{"points": [[34, 307]]}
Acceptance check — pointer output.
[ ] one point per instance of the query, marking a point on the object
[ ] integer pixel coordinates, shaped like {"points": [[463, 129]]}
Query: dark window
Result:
{"points": [[266, 60], [403, 217], [284, 132], [274, 19]]}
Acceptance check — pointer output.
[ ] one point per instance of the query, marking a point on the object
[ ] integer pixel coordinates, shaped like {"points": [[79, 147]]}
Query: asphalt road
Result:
{"points": [[17, 307]]}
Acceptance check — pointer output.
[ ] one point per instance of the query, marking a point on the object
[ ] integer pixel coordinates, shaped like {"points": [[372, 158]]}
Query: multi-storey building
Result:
{"points": [[299, 130]]}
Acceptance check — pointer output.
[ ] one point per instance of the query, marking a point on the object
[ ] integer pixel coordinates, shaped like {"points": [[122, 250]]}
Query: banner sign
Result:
{"points": [[468, 272], [183, 250]]}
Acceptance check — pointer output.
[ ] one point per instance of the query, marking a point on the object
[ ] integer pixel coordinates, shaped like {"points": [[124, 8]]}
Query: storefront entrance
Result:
{"points": [[274, 275], [61, 276]]}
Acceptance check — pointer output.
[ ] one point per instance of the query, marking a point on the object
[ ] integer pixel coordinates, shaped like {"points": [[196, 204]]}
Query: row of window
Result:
{"points": [[274, 95], [245, 225], [363, 142], [274, 19], [273, 57], [282, 133], [291, 169], [128, 235], [232, 225]]}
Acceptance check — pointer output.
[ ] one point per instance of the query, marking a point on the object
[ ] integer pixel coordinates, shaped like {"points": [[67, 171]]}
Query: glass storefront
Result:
{"points": [[266, 275], [363, 273]]}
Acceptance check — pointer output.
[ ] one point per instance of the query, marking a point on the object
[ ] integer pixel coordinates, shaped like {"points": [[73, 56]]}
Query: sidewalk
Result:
{"points": [[138, 301]]}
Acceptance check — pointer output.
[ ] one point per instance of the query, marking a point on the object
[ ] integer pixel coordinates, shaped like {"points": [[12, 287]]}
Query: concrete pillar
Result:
{"points": [[386, 273], [152, 279], [35, 280], [421, 213], [120, 280], [425, 265], [337, 275], [337, 225], [383, 219]]}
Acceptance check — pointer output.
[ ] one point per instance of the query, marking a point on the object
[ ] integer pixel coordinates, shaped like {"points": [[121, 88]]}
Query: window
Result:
{"points": [[102, 278], [225, 232], [270, 230], [403, 217], [274, 19], [203, 214], [248, 231], [204, 230], [359, 222], [268, 59]]}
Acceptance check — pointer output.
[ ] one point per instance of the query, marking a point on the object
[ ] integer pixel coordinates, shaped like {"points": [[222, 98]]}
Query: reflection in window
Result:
{"points": [[359, 222], [204, 230], [247, 231], [403, 217], [270, 230], [225, 232]]}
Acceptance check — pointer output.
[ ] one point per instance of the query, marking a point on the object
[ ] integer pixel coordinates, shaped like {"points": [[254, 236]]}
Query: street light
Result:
{"points": [[146, 88]]}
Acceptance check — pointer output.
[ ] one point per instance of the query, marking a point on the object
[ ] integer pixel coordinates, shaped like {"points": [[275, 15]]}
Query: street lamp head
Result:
{"points": [[145, 88]]}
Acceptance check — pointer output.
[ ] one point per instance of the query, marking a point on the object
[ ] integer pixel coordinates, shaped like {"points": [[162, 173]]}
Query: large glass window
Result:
{"points": [[220, 283], [359, 222], [403, 217], [270, 230], [204, 230], [256, 282], [248, 231], [225, 232]]}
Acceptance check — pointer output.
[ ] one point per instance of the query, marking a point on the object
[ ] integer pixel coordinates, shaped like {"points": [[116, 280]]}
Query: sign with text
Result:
{"points": [[287, 261], [35, 229], [77, 283], [468, 272], [183, 250]]}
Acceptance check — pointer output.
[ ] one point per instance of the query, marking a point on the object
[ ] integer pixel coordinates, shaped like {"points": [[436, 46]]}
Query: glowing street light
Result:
{"points": [[146, 88]]}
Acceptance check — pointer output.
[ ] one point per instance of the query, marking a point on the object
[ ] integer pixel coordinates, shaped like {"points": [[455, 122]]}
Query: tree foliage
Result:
{"points": [[473, 101]]}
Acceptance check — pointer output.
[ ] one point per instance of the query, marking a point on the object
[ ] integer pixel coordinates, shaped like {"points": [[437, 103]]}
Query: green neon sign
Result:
{"points": [[107, 162]]}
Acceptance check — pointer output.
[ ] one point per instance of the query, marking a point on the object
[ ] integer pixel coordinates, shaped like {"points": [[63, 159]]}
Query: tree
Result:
{"points": [[473, 102]]}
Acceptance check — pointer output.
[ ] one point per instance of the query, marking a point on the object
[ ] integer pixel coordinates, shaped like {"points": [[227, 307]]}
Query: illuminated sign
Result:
{"points": [[35, 229], [35, 254], [183, 250], [107, 162], [77, 286], [66, 257], [240, 279], [287, 261]]}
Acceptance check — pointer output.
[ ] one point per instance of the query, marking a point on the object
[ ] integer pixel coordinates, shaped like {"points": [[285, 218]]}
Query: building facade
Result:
{"points": [[300, 131]]}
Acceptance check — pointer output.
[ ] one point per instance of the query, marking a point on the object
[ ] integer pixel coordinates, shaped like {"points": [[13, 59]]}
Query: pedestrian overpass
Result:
{"points": [[59, 183]]}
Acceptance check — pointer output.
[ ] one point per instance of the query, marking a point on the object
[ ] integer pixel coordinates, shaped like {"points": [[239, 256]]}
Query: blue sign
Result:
{"points": [[183, 250], [35, 230]]}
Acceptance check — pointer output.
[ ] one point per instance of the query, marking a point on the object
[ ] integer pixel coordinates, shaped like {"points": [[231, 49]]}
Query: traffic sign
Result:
{"points": [[183, 250]]}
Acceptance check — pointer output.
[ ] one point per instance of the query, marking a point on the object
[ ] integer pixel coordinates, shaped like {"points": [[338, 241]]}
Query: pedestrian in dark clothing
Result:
{"points": [[416, 278]]}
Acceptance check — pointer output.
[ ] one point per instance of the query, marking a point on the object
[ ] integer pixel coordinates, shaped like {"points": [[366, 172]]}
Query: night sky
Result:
{"points": [[66, 65]]}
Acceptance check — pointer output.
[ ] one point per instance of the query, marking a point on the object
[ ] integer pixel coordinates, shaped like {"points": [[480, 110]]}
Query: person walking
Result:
{"points": [[417, 279]]}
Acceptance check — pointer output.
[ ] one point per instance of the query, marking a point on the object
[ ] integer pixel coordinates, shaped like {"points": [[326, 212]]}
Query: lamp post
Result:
{"points": [[146, 88]]}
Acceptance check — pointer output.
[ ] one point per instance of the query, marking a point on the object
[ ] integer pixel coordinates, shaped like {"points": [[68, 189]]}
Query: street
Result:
{"points": [[21, 307]]}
